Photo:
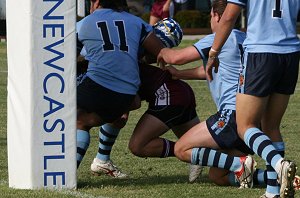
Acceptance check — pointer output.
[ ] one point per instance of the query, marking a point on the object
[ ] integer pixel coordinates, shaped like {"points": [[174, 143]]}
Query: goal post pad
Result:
{"points": [[41, 98]]}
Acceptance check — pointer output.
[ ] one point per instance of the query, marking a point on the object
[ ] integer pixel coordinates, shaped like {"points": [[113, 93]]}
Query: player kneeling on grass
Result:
{"points": [[201, 144], [180, 112], [171, 105]]}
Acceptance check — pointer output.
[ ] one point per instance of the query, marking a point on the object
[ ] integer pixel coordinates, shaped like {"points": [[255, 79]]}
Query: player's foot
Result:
{"points": [[195, 172], [99, 167], [286, 179], [296, 182], [245, 175], [265, 196]]}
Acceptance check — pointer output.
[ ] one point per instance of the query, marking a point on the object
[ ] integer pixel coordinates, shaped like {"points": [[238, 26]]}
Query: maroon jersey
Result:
{"points": [[158, 88]]}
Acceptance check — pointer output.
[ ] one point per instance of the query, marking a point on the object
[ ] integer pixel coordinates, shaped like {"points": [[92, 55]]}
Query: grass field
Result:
{"points": [[164, 178]]}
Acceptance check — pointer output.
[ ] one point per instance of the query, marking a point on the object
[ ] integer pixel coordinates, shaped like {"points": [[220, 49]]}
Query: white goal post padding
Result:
{"points": [[41, 101]]}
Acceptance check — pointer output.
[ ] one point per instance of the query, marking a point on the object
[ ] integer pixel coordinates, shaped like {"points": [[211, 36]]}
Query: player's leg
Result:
{"points": [[145, 140], [270, 124], [260, 179], [193, 138], [97, 105], [197, 146], [85, 121], [248, 129], [259, 84], [155, 13], [108, 133], [195, 170], [223, 177], [157, 120]]}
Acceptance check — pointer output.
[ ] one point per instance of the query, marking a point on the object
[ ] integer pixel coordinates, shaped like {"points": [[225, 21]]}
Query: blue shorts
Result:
{"points": [[108, 104], [223, 129], [266, 73]]}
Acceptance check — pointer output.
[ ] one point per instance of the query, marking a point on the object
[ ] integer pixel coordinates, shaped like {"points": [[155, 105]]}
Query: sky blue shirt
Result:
{"points": [[224, 85], [271, 25], [111, 40]]}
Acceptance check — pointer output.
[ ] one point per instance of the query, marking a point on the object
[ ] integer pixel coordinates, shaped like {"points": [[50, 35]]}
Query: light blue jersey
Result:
{"points": [[111, 40], [271, 25], [224, 86]]}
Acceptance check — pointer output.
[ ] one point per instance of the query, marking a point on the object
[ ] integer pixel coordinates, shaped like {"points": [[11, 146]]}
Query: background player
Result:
{"points": [[160, 10]]}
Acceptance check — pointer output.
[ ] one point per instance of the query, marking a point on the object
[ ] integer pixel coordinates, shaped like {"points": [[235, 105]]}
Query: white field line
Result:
{"points": [[65, 192], [78, 194]]}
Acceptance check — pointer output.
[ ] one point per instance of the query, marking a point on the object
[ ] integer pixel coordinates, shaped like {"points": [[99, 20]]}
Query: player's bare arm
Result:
{"points": [[197, 73], [227, 22], [178, 56]]}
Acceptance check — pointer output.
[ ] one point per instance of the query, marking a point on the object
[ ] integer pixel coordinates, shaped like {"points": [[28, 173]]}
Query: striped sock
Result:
{"points": [[260, 177], [107, 137], [213, 158], [83, 142], [273, 187], [263, 147]]}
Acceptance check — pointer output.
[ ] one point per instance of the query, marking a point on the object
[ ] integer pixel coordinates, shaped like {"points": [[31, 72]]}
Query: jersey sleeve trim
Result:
{"points": [[241, 4]]}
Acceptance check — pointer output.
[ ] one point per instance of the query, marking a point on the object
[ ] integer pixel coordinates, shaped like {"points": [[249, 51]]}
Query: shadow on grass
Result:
{"points": [[138, 181]]}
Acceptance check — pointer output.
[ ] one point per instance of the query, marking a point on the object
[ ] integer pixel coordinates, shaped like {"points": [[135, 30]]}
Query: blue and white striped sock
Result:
{"points": [[273, 187], [263, 147], [107, 137], [82, 143], [213, 158]]}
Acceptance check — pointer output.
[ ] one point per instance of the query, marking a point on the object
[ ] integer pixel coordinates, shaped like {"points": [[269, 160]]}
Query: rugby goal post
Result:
{"points": [[41, 99]]}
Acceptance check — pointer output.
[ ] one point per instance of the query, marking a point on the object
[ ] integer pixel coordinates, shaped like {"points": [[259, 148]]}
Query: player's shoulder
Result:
{"points": [[206, 39]]}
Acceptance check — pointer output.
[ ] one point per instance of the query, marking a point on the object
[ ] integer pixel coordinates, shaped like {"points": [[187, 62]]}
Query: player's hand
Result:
{"points": [[160, 60], [213, 62], [173, 71]]}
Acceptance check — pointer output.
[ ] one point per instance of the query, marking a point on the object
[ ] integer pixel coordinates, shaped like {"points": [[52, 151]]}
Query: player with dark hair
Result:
{"points": [[171, 106], [111, 39], [267, 79]]}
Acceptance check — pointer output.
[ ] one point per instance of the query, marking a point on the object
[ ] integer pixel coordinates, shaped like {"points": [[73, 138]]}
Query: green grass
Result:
{"points": [[164, 178]]}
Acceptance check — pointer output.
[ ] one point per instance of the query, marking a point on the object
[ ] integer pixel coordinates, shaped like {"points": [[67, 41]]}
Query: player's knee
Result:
{"points": [[134, 147], [241, 131], [178, 151]]}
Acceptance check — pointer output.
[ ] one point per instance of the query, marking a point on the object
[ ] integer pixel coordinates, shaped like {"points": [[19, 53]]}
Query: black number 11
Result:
{"points": [[277, 12], [108, 46]]}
